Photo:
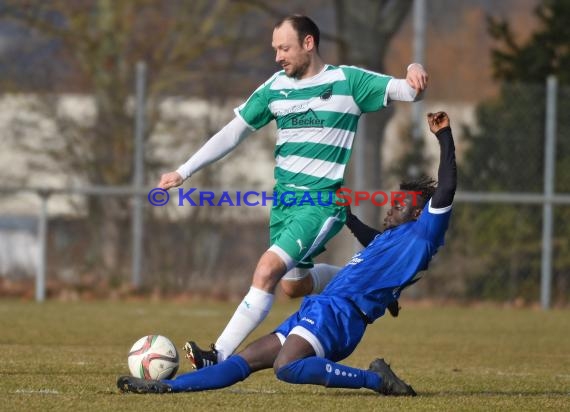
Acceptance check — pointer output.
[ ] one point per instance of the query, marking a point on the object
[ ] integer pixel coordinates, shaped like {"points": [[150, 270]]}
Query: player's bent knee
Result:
{"points": [[278, 364], [282, 360], [296, 288], [286, 372]]}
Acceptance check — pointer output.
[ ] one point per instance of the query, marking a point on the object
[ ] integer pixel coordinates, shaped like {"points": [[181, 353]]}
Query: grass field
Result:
{"points": [[67, 356]]}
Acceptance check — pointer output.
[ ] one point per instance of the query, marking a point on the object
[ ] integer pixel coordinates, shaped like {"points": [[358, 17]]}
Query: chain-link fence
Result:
{"points": [[494, 249]]}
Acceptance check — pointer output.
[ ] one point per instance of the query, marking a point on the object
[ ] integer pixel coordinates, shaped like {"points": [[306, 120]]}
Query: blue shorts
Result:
{"points": [[334, 326]]}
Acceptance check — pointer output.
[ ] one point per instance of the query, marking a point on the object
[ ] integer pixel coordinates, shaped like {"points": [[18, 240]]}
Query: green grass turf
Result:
{"points": [[67, 356]]}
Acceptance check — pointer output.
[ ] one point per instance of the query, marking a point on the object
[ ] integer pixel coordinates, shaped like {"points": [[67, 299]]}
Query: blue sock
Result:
{"points": [[232, 370], [319, 371]]}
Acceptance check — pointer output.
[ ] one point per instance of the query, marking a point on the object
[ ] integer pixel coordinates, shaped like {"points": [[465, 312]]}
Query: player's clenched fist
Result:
{"points": [[437, 121], [169, 180], [417, 77]]}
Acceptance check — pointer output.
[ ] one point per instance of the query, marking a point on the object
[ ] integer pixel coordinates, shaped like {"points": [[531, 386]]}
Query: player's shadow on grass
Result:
{"points": [[490, 393], [359, 394], [451, 393]]}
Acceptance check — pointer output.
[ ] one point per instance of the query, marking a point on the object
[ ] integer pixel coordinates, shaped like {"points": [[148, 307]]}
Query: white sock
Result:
{"points": [[249, 314], [322, 274]]}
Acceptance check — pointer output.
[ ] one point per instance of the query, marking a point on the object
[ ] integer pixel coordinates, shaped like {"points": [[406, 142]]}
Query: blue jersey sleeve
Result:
{"points": [[432, 224]]}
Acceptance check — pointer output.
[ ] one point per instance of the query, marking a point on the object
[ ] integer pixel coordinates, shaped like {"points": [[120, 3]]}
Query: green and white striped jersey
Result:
{"points": [[316, 121]]}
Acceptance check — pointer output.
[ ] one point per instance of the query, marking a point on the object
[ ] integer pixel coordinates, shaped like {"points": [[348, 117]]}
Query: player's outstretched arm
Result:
{"points": [[447, 172], [411, 88], [217, 147], [364, 233]]}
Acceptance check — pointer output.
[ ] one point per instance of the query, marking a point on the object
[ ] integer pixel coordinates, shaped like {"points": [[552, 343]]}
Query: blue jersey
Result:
{"points": [[390, 262]]}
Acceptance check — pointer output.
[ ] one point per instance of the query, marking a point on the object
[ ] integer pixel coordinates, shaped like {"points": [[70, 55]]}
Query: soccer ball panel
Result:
{"points": [[153, 357]]}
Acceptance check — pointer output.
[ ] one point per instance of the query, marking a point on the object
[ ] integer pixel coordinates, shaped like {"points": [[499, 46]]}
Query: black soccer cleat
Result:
{"points": [[200, 358], [138, 385], [391, 384]]}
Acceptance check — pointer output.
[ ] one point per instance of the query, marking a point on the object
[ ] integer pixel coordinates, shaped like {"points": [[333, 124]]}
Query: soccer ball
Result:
{"points": [[153, 357]]}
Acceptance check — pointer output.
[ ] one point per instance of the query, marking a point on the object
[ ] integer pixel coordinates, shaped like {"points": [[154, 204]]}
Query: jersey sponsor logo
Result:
{"points": [[311, 321], [356, 259], [308, 119], [284, 93], [295, 109]]}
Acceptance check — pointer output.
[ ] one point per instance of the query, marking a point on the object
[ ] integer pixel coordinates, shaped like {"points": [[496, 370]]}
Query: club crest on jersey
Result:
{"points": [[326, 94]]}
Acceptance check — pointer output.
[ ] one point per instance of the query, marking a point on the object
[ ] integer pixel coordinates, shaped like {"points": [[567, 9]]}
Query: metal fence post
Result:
{"points": [[138, 176], [419, 57], [42, 248], [549, 171]]}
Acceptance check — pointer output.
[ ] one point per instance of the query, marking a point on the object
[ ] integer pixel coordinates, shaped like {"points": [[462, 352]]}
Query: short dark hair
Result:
{"points": [[304, 27], [424, 184]]}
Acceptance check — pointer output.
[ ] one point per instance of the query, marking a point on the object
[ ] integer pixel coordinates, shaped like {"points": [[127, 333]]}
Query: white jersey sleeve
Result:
{"points": [[400, 90], [217, 147]]}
